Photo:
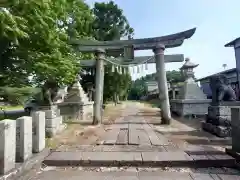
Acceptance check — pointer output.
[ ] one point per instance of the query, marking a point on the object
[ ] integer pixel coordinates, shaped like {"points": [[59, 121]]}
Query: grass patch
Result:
{"points": [[153, 103], [11, 107], [51, 143]]}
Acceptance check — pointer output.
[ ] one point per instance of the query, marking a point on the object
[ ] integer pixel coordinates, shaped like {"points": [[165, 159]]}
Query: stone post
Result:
{"points": [[7, 145], [99, 83], [23, 138], [162, 84], [235, 122], [38, 119]]}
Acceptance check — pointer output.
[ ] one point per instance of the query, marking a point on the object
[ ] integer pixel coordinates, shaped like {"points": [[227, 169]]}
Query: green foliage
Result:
{"points": [[174, 76], [17, 96], [116, 83], [110, 22], [139, 89], [35, 39]]}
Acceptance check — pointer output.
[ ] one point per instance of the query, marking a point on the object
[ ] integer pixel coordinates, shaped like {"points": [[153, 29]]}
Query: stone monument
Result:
{"points": [[218, 119], [76, 105], [191, 100]]}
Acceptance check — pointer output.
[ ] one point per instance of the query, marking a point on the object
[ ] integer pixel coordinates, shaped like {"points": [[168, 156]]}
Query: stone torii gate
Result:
{"points": [[126, 48]]}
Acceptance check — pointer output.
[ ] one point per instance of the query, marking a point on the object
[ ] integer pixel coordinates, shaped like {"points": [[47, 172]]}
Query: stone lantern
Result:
{"points": [[191, 99], [187, 69]]}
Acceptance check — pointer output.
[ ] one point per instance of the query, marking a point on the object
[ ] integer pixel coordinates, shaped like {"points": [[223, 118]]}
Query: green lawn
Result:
{"points": [[11, 107]]}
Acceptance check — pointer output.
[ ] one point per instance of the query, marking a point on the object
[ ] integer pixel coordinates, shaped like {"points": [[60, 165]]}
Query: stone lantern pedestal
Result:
{"points": [[76, 105], [191, 99]]}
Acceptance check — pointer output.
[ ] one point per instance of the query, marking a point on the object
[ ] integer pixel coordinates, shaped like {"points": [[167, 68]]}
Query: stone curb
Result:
{"points": [[137, 159], [24, 168]]}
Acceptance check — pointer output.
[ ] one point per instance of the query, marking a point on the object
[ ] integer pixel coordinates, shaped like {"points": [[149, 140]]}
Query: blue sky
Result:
{"points": [[217, 23]]}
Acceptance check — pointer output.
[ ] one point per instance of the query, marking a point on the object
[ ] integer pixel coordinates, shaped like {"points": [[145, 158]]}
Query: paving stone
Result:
{"points": [[122, 137], [135, 126], [111, 158], [77, 175], [143, 138], [163, 176], [153, 138], [133, 137], [63, 159], [93, 158], [229, 177], [116, 126], [172, 148], [201, 176], [166, 158], [111, 136], [209, 159]]}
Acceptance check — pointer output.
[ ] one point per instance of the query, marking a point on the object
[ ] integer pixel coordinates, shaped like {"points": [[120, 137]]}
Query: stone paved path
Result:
{"points": [[133, 141]]}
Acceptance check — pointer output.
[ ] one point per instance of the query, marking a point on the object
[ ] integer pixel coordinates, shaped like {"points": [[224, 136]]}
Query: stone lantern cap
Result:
{"points": [[188, 64]]}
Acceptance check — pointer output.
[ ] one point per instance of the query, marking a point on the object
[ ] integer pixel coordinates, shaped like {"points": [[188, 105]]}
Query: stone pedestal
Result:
{"points": [[76, 105], [191, 99], [53, 120], [7, 145], [76, 111], [185, 107], [219, 119], [23, 138]]}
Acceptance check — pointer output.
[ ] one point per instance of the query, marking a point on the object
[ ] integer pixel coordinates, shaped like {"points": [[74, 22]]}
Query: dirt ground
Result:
{"points": [[84, 134], [185, 131]]}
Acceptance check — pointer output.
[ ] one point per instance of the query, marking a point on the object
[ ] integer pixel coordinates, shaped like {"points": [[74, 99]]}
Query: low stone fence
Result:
{"points": [[21, 138], [24, 138]]}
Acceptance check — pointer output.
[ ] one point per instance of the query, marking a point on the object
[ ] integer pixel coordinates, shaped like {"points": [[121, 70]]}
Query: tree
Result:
{"points": [[138, 88], [111, 24], [174, 76], [40, 46]]}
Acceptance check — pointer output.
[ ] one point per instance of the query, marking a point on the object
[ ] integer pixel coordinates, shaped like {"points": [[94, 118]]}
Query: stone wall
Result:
{"points": [[20, 140]]}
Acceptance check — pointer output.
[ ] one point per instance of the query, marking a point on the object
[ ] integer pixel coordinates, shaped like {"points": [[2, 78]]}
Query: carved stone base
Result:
{"points": [[190, 107], [214, 112], [53, 120], [219, 131], [76, 111], [218, 121]]}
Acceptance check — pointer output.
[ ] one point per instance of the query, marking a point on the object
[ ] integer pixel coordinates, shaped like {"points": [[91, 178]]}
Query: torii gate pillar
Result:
{"points": [[162, 84], [99, 84]]}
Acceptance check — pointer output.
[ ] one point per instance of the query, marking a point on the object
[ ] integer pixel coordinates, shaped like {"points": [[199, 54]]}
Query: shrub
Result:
{"points": [[17, 96]]}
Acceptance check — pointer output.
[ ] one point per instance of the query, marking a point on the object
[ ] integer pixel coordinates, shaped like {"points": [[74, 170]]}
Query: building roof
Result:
{"points": [[222, 72], [232, 43]]}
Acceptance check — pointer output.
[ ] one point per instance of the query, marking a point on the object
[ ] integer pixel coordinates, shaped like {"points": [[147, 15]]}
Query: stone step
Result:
{"points": [[76, 175], [144, 159]]}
